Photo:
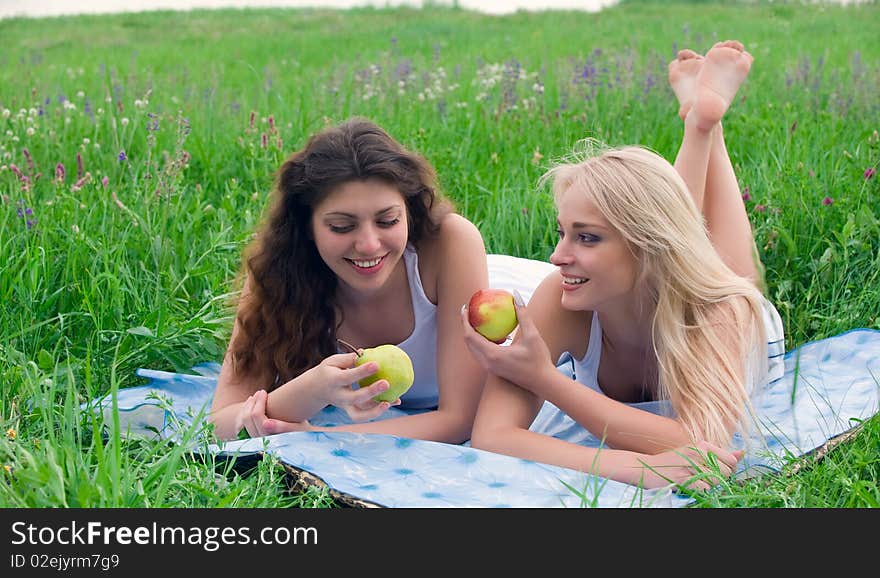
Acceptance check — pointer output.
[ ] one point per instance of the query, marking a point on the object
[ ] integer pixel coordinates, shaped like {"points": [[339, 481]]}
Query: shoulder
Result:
{"points": [[457, 241], [455, 228], [455, 258]]}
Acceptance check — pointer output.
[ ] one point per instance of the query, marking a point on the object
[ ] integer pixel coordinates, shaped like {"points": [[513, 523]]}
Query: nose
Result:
{"points": [[561, 255], [368, 242]]}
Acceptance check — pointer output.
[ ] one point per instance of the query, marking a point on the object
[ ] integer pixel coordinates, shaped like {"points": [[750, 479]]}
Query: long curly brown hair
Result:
{"points": [[287, 320]]}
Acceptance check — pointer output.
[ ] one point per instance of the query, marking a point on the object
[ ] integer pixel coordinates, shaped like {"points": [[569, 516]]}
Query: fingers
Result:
{"points": [[725, 459], [255, 408], [365, 395], [276, 426], [246, 412], [342, 360], [367, 413], [361, 371], [524, 320], [708, 466]]}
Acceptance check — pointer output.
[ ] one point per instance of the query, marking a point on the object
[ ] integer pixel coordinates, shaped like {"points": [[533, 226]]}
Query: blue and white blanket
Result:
{"points": [[828, 388]]}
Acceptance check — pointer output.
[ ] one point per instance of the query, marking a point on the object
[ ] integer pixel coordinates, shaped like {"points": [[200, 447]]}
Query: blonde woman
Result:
{"points": [[655, 298]]}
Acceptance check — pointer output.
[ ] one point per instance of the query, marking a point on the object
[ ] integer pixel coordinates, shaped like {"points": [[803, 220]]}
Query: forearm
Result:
{"points": [[297, 400], [224, 420], [619, 465], [445, 426], [617, 424]]}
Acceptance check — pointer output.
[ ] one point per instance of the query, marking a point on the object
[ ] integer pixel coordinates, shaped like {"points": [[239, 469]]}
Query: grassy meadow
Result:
{"points": [[137, 153]]}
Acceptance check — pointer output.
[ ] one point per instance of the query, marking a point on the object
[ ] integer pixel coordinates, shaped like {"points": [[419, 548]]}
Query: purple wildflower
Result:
{"points": [[23, 179], [105, 181], [760, 208], [154, 124], [60, 173], [650, 81], [827, 201], [121, 157], [29, 158], [81, 182], [25, 212], [746, 195], [869, 173]]}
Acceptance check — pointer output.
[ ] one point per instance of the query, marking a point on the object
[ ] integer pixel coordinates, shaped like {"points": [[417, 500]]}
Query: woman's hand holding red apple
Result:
{"points": [[524, 362]]}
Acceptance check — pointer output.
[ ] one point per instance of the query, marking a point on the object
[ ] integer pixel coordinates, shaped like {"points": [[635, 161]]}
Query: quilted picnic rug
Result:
{"points": [[828, 388]]}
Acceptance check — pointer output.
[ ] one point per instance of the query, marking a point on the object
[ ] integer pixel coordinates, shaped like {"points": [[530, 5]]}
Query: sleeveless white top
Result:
{"points": [[586, 369], [421, 345]]}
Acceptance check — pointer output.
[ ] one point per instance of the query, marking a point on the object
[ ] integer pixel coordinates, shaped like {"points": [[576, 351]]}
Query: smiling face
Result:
{"points": [[597, 266], [360, 230]]}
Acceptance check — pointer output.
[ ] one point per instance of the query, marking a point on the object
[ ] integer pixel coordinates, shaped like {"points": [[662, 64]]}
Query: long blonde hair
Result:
{"points": [[700, 302]]}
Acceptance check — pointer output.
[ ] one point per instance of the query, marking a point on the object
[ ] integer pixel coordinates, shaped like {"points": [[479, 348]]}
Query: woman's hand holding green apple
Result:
{"points": [[338, 372]]}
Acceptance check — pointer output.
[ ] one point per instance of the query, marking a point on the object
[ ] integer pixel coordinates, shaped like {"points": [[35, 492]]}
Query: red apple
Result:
{"points": [[492, 314]]}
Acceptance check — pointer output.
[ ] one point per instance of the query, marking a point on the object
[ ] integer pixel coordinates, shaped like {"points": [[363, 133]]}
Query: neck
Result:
{"points": [[628, 323], [350, 298]]}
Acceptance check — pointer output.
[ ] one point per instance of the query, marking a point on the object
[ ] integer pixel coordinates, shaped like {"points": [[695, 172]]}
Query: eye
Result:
{"points": [[560, 233], [341, 229], [389, 223], [588, 238]]}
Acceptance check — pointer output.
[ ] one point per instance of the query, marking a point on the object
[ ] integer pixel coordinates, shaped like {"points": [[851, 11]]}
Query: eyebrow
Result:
{"points": [[349, 215], [579, 225]]}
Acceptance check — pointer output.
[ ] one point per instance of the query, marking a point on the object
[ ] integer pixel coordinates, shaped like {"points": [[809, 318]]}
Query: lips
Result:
{"points": [[572, 283], [367, 266]]}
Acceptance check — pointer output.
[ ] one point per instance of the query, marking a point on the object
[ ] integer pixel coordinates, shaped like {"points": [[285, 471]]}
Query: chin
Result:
{"points": [[571, 304]]}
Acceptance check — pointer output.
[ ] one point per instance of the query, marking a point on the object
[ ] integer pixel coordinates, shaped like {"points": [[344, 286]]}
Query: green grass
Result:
{"points": [[136, 271]]}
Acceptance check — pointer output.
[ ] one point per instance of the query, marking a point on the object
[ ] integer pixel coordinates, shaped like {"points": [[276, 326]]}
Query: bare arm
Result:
{"points": [[298, 397], [240, 400], [506, 410], [524, 374]]}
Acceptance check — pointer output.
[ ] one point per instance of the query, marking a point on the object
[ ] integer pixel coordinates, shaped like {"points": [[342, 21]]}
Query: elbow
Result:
{"points": [[461, 431], [223, 434], [222, 431], [222, 423], [487, 438]]}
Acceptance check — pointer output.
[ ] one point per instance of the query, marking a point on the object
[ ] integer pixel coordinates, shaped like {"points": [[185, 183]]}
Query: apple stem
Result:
{"points": [[351, 347]]}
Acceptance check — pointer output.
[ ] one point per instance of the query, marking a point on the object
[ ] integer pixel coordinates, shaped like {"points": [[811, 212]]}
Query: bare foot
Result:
{"points": [[683, 73], [726, 66]]}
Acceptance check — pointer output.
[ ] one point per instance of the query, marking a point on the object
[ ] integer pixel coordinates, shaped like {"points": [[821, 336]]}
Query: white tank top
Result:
{"points": [[421, 345], [586, 370]]}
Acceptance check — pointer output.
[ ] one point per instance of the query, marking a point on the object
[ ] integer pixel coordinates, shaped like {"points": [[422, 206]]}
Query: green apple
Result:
{"points": [[395, 367], [492, 314]]}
